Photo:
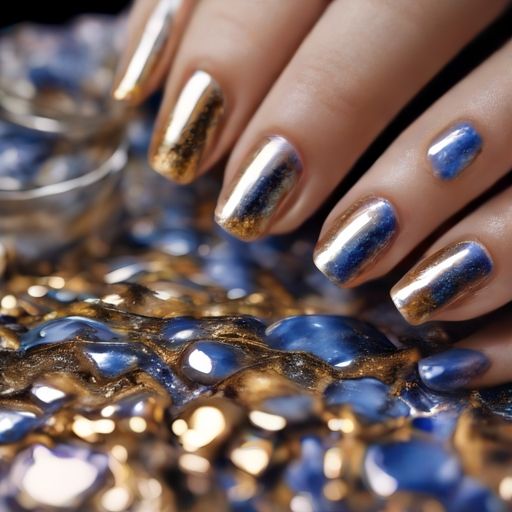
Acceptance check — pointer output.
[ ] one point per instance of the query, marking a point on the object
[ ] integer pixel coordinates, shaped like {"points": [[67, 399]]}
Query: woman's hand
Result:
{"points": [[300, 89]]}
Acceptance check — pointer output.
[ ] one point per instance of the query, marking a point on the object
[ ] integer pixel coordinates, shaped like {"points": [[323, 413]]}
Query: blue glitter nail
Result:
{"points": [[357, 238], [441, 279], [454, 150], [453, 369]]}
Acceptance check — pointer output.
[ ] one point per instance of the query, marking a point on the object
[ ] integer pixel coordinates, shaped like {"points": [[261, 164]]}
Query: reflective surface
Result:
{"points": [[181, 370]]}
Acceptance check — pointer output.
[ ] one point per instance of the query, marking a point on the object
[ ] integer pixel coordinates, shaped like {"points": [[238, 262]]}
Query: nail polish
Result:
{"points": [[454, 150], [183, 141], [441, 279], [358, 237], [453, 369], [148, 51], [260, 188]]}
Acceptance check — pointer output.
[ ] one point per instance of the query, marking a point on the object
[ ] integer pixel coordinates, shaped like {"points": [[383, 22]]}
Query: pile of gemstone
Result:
{"points": [[179, 369]]}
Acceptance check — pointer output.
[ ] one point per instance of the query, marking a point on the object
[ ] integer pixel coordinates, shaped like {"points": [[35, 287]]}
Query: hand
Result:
{"points": [[300, 89]]}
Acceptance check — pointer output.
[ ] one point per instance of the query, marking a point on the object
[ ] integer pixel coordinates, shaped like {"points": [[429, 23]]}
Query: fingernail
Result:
{"points": [[357, 238], [454, 150], [453, 369], [186, 137], [260, 188], [441, 279], [148, 51]]}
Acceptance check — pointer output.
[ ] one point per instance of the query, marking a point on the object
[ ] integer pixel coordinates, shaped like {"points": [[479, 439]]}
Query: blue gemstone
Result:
{"points": [[337, 340], [180, 330], [113, 360], [305, 476], [441, 425], [174, 241], [415, 466], [208, 362], [472, 496], [229, 267], [16, 424], [422, 399], [294, 408], [67, 329], [39, 459], [369, 398]]}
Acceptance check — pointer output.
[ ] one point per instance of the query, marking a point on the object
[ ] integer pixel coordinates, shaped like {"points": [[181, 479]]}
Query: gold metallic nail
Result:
{"points": [[190, 130], [441, 279], [260, 188], [148, 52]]}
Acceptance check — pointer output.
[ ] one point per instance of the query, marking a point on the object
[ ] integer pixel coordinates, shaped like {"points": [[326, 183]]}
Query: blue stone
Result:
{"points": [[230, 267], [174, 241], [416, 466], [66, 329], [208, 362], [369, 398], [112, 360], [16, 424], [441, 425], [180, 330], [337, 340], [472, 496], [294, 408], [306, 476], [60, 457]]}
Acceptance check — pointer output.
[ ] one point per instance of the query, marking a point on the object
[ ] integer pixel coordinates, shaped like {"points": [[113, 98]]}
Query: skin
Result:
{"points": [[329, 76]]}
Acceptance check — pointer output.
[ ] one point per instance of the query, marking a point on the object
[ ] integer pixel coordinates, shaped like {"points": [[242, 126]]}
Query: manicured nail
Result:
{"points": [[186, 137], [441, 279], [146, 56], [357, 238], [453, 369], [261, 187], [454, 150]]}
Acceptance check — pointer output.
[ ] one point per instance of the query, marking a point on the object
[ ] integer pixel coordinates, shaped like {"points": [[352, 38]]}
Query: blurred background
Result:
{"points": [[39, 11]]}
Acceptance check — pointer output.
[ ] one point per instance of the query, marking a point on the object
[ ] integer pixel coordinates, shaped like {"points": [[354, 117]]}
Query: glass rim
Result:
{"points": [[112, 164]]}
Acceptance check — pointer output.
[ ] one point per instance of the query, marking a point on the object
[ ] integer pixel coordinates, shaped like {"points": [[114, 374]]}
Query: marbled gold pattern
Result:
{"points": [[261, 187], [356, 239], [148, 52], [442, 279], [187, 135]]}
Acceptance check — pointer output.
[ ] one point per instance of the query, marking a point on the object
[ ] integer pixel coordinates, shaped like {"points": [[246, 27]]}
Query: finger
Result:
{"points": [[359, 65], [484, 359], [153, 33], [466, 273], [457, 149], [230, 55]]}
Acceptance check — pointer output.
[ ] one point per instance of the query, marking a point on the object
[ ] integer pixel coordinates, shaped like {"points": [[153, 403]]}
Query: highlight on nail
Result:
{"points": [[441, 279], [453, 369], [262, 185], [148, 52], [454, 150], [182, 142], [357, 238]]}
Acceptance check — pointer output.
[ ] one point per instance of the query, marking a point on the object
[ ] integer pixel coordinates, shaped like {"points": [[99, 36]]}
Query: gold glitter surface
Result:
{"points": [[187, 135]]}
